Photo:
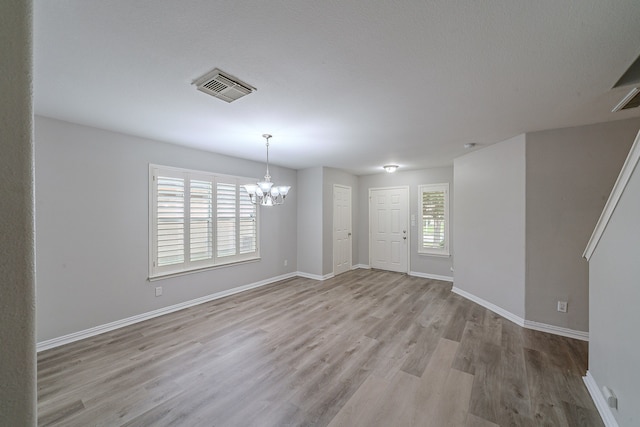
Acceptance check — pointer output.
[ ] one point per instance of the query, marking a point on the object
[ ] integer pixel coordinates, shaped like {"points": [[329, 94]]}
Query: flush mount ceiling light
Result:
{"points": [[390, 168], [264, 192], [469, 145]]}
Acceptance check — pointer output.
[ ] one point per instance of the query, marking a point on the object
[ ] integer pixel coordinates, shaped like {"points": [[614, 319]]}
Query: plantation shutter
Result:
{"points": [[226, 219], [248, 226], [170, 221], [201, 220], [433, 219], [198, 220]]}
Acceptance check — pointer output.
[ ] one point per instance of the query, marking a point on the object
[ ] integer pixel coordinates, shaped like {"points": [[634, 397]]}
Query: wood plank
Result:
{"points": [[485, 401], [472, 337], [453, 402], [396, 409], [429, 394], [514, 393], [357, 411]]}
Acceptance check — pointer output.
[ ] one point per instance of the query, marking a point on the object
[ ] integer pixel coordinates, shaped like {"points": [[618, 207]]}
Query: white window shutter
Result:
{"points": [[198, 220], [225, 219], [248, 225], [201, 220], [170, 221], [434, 219]]}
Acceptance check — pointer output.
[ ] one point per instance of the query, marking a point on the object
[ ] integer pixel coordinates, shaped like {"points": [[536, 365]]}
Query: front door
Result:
{"points": [[388, 232]]}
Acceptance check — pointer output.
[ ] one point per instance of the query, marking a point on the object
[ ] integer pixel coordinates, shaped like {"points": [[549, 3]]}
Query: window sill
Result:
{"points": [[169, 275], [443, 255]]}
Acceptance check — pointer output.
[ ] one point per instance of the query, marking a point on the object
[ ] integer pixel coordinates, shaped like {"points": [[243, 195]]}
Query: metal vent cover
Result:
{"points": [[631, 100], [223, 86]]}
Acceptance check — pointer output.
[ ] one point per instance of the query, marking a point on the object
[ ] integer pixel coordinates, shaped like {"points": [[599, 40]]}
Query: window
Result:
{"points": [[199, 220], [434, 219]]}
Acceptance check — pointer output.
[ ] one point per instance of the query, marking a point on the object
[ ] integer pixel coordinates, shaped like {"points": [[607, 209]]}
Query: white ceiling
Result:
{"points": [[346, 84]]}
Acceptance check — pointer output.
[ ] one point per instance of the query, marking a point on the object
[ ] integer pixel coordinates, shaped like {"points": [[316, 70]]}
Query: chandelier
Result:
{"points": [[264, 192]]}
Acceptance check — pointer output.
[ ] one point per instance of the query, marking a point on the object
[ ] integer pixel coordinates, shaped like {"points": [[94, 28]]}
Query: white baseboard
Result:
{"points": [[557, 330], [363, 266], [87, 333], [598, 399], [314, 276], [486, 304], [529, 324], [431, 276]]}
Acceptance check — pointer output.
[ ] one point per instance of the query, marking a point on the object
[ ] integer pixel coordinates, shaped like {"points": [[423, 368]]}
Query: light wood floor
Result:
{"points": [[367, 348]]}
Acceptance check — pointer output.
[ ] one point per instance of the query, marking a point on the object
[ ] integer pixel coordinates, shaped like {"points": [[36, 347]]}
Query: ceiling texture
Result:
{"points": [[346, 84]]}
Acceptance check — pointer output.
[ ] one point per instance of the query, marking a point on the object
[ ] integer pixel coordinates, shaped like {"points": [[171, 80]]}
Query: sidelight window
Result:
{"points": [[434, 219]]}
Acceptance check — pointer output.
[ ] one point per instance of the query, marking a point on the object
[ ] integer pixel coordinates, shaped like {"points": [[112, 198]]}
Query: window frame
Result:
{"points": [[424, 188], [187, 266]]}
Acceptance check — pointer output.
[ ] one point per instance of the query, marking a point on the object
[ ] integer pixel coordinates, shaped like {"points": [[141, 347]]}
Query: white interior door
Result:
{"points": [[341, 229], [388, 232]]}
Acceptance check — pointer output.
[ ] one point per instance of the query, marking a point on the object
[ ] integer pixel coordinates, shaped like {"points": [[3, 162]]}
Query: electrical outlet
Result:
{"points": [[562, 306], [286, 262], [158, 291]]}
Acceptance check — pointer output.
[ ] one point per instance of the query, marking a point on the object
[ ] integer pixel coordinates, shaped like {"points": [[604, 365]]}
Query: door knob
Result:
{"points": [[349, 234]]}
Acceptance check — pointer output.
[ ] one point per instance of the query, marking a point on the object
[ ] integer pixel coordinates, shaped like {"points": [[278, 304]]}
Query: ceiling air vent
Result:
{"points": [[632, 100], [223, 86]]}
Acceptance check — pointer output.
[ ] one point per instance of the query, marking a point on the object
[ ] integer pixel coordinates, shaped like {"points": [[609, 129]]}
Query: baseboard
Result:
{"points": [[431, 276], [87, 333], [314, 276], [557, 330], [529, 324], [486, 304], [598, 399], [363, 266]]}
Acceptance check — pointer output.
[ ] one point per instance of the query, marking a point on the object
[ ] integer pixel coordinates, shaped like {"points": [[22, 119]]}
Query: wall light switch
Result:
{"points": [[158, 291]]}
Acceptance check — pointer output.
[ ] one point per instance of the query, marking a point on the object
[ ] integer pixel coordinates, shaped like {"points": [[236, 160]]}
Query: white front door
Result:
{"points": [[388, 232], [341, 229]]}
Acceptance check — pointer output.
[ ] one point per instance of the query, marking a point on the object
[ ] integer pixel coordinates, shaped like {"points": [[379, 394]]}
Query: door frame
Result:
{"points": [[408, 189], [333, 260]]}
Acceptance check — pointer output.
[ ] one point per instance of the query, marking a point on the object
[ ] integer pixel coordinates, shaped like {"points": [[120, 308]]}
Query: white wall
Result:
{"points": [[570, 173], [489, 219], [310, 221], [92, 227], [17, 289], [419, 263], [614, 287], [330, 178]]}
